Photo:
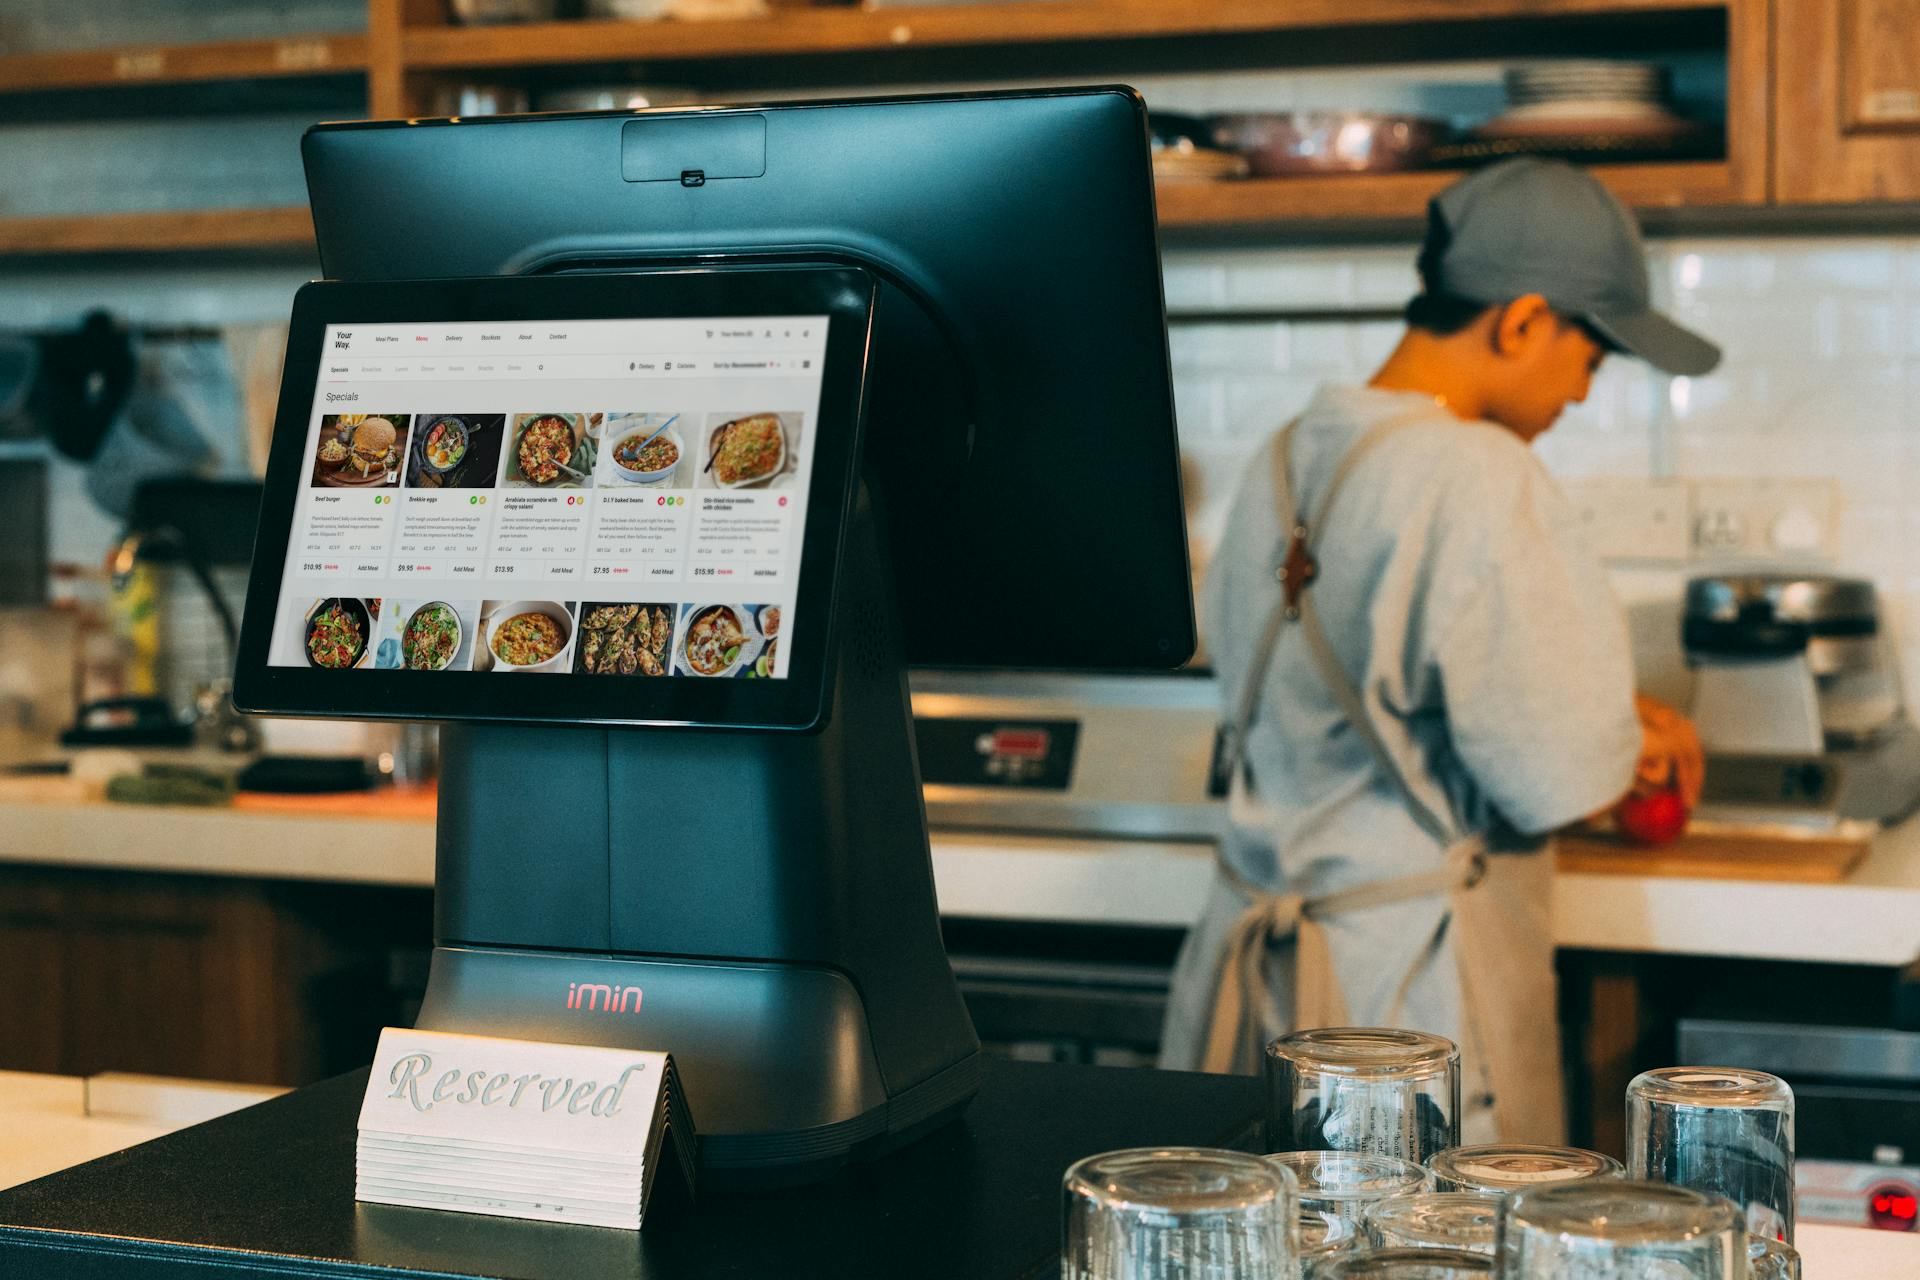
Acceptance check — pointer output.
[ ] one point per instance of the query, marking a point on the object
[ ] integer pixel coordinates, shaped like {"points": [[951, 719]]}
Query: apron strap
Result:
{"points": [[1443, 830], [1235, 1039], [1298, 532]]}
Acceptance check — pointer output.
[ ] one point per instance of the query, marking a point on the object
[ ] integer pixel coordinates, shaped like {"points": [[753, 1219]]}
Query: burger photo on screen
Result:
{"points": [[372, 452]]}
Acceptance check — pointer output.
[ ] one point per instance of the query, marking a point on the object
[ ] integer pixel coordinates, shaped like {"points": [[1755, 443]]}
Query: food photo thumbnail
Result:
{"points": [[750, 450], [359, 450], [525, 635], [647, 449], [625, 639], [336, 632], [722, 640], [456, 450], [552, 450], [427, 635]]}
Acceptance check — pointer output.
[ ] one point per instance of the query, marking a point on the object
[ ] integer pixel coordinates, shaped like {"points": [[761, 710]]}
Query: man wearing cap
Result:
{"points": [[1425, 671]]}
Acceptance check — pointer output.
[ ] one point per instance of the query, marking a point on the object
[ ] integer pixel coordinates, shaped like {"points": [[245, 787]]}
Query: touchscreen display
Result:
{"points": [[620, 498]]}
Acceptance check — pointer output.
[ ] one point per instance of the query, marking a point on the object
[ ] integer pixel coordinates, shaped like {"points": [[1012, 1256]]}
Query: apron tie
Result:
{"points": [[1235, 1039]]}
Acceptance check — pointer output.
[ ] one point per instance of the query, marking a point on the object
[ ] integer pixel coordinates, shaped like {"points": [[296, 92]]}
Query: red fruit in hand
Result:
{"points": [[1658, 817]]}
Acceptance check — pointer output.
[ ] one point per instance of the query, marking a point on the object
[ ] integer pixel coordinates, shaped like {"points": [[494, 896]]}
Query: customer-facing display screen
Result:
{"points": [[620, 499]]}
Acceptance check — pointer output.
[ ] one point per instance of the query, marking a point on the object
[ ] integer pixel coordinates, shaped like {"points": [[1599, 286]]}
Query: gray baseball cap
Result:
{"points": [[1542, 226]]}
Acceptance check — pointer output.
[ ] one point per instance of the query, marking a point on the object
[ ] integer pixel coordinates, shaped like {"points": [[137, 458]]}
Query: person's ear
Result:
{"points": [[1521, 323]]}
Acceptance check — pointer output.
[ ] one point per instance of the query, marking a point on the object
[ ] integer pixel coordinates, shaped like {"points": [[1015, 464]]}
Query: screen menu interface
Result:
{"points": [[616, 498]]}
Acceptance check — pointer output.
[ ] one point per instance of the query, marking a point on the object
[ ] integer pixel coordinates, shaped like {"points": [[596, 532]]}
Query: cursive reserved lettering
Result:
{"points": [[410, 1075]]}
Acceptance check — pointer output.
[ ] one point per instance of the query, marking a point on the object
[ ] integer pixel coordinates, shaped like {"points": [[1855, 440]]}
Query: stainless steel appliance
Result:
{"points": [[1069, 754], [1798, 702], [1107, 772], [1857, 1104]]}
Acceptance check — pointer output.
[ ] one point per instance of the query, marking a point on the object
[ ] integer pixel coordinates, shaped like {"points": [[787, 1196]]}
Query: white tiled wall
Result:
{"points": [[1821, 379]]}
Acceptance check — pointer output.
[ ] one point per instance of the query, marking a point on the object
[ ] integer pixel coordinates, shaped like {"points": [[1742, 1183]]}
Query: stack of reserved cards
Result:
{"points": [[520, 1129]]}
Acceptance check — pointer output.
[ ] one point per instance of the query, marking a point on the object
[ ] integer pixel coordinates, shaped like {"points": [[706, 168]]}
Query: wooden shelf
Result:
{"points": [[288, 228], [800, 31], [184, 63], [1395, 197], [1184, 206]]}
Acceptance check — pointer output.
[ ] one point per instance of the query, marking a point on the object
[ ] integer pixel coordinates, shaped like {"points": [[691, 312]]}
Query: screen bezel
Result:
{"points": [[798, 702]]}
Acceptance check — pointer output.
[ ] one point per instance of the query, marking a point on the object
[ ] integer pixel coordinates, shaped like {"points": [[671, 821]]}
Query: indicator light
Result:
{"points": [[1892, 1206]]}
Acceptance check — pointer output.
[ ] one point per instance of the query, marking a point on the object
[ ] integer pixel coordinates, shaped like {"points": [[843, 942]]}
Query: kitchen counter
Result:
{"points": [[1872, 917], [44, 1126], [269, 1191]]}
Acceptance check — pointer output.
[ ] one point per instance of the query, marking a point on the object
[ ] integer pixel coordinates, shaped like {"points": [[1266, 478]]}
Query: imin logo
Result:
{"points": [[600, 998]]}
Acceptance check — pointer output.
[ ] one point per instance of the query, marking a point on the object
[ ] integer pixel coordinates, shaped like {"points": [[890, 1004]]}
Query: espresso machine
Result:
{"points": [[1797, 701]]}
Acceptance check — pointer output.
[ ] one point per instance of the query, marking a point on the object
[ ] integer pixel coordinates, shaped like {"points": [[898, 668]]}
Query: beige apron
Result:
{"points": [[1497, 904]]}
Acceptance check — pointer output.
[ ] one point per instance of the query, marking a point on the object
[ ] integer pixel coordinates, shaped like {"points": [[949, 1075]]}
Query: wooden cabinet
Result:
{"points": [[219, 979], [1846, 101], [412, 50], [1821, 98]]}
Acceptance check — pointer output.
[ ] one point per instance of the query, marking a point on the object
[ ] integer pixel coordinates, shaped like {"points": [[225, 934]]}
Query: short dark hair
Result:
{"points": [[1443, 314]]}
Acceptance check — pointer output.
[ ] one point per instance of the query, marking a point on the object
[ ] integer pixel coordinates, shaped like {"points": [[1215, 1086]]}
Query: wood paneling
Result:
{"points": [[211, 978], [183, 63], [1253, 202], [1846, 101], [1880, 66], [825, 29], [158, 232]]}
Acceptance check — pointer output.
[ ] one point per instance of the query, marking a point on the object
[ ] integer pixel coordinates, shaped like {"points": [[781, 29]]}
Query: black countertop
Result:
{"points": [[268, 1191]]}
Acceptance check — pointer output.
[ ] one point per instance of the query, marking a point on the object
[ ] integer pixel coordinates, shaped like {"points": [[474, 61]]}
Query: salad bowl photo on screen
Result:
{"points": [[428, 635], [337, 632]]}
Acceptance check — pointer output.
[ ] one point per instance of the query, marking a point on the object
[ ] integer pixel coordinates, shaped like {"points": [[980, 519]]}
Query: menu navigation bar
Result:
{"points": [[586, 337], [604, 367]]}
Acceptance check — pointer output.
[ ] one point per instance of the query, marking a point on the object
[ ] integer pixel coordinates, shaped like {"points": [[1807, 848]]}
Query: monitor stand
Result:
{"points": [[758, 904]]}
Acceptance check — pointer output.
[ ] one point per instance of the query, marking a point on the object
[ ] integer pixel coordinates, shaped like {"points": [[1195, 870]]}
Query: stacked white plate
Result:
{"points": [[1183, 161], [1613, 100], [1588, 81]]}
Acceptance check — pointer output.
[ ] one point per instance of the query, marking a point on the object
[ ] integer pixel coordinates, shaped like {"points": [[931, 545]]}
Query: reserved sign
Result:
{"points": [[519, 1128], [516, 1092]]}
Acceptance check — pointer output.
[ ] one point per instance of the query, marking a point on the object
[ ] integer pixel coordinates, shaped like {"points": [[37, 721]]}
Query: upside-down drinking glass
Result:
{"points": [[1723, 1130], [1341, 1184], [1435, 1220], [1181, 1213], [1405, 1264], [1378, 1090], [1501, 1167], [1612, 1229]]}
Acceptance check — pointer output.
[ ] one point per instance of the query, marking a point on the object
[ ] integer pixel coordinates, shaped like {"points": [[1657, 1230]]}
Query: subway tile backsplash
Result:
{"points": [[1822, 376], [1821, 379]]}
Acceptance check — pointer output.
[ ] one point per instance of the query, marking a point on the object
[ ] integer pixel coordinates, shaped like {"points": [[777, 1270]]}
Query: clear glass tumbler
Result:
{"points": [[1772, 1259], [1318, 1234], [1404, 1264], [1341, 1184], [1182, 1213], [1435, 1220], [1723, 1130], [1374, 1089], [1611, 1229], [1501, 1167]]}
